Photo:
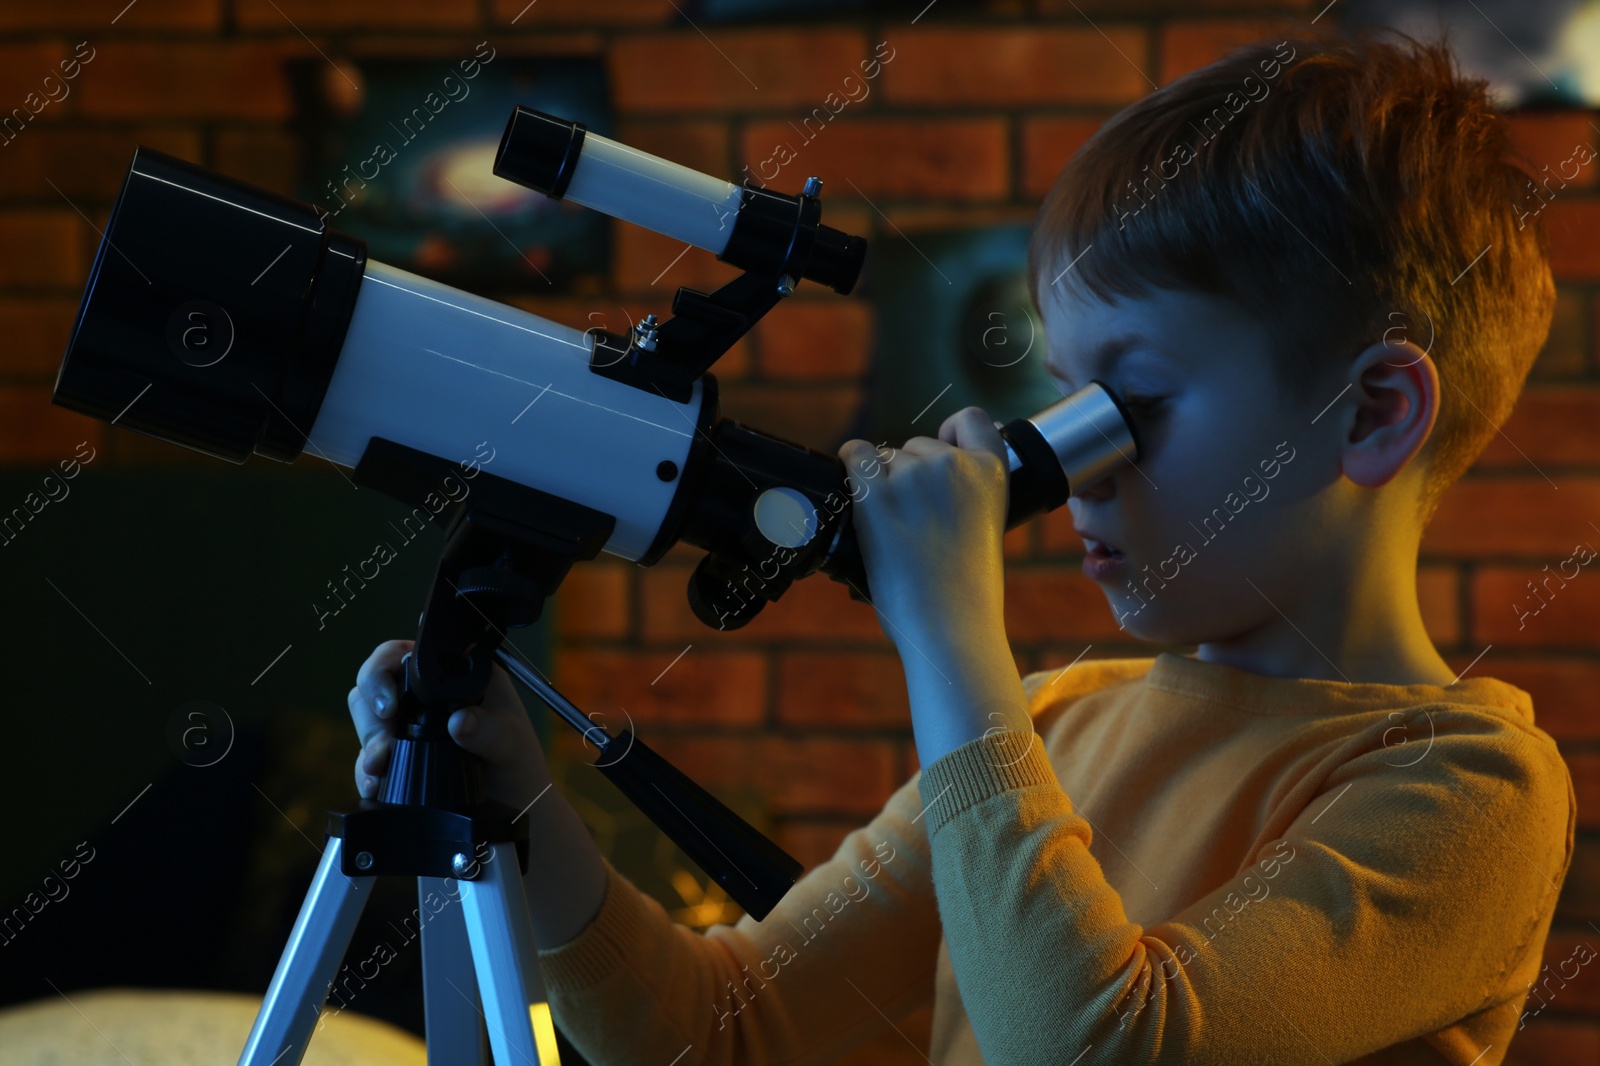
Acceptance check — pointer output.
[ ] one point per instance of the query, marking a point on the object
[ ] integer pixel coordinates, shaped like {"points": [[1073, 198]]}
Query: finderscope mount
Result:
{"points": [[776, 239]]}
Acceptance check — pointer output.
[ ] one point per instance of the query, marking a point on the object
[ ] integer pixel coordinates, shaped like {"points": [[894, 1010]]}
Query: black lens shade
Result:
{"points": [[213, 314]]}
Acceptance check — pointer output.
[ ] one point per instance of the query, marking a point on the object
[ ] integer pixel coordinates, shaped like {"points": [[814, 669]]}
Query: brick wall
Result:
{"points": [[969, 124]]}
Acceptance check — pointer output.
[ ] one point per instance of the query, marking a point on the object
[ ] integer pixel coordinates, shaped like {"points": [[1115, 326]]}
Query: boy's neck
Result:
{"points": [[1362, 627]]}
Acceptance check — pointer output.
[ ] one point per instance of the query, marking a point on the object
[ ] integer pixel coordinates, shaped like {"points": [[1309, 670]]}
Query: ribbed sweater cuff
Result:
{"points": [[601, 948], [983, 767]]}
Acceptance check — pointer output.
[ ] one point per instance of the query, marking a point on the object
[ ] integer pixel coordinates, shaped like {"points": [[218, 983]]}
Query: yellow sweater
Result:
{"points": [[1196, 865]]}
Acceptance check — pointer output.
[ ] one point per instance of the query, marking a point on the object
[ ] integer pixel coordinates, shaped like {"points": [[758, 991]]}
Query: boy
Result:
{"points": [[1304, 270]]}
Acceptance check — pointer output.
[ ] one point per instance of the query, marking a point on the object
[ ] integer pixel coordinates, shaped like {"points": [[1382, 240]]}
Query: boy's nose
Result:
{"points": [[1099, 490]]}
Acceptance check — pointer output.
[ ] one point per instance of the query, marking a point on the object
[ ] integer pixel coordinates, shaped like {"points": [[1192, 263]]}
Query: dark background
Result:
{"points": [[200, 578]]}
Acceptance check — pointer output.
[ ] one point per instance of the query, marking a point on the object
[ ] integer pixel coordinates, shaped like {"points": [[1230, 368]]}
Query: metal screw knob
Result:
{"points": [[460, 864], [645, 331], [813, 186], [364, 860], [786, 286]]}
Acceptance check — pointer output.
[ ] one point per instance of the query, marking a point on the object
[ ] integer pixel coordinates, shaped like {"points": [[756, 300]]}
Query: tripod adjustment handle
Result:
{"points": [[754, 871]]}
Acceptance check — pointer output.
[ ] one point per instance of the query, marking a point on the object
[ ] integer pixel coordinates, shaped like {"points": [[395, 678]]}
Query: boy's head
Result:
{"points": [[1332, 255]]}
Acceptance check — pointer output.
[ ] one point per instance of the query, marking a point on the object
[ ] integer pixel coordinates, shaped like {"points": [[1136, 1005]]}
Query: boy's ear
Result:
{"points": [[1396, 390]]}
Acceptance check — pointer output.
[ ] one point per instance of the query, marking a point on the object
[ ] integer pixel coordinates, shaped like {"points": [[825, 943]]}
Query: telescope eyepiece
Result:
{"points": [[539, 151]]}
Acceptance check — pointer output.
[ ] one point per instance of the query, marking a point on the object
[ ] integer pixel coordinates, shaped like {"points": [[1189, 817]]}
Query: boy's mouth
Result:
{"points": [[1099, 549]]}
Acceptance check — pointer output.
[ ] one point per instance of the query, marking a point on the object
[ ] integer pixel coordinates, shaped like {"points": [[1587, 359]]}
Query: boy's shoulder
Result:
{"points": [[1051, 689]]}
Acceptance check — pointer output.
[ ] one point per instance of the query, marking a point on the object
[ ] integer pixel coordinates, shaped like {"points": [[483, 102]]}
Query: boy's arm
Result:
{"points": [[856, 936], [1388, 916]]}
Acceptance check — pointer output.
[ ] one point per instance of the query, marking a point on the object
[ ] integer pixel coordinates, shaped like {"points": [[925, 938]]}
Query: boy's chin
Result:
{"points": [[1144, 621]]}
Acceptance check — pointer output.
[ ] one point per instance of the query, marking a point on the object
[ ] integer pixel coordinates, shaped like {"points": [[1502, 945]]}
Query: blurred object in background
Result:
{"points": [[400, 152]]}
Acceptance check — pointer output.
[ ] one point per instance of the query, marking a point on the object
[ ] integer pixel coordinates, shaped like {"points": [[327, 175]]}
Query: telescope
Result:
{"points": [[234, 321]]}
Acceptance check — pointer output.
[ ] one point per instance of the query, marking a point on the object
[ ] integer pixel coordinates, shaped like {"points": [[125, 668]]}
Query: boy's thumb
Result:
{"points": [[467, 729]]}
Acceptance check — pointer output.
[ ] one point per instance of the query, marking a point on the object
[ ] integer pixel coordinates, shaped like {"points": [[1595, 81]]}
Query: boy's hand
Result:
{"points": [[497, 730], [930, 521]]}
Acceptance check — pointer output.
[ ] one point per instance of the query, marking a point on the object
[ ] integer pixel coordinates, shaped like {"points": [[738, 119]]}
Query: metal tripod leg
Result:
{"points": [[317, 945], [452, 1008], [521, 1030], [477, 949]]}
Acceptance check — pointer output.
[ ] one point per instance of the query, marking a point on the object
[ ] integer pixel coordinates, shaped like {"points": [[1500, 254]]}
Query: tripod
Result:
{"points": [[503, 555]]}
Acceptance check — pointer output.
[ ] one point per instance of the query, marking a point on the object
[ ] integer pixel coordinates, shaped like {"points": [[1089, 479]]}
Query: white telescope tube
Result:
{"points": [[441, 370], [655, 193]]}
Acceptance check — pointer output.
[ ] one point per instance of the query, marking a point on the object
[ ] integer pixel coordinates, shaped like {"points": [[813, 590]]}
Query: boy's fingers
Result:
{"points": [[502, 694], [378, 675], [366, 783], [365, 718], [490, 736], [375, 754]]}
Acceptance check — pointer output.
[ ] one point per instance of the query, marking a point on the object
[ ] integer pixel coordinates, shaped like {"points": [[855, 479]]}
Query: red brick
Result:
{"points": [[525, 15], [1580, 892], [1549, 425], [842, 690], [1056, 604], [1439, 596], [820, 776], [959, 159], [1566, 351], [455, 47], [696, 143], [266, 158], [974, 65], [36, 334], [1563, 692], [1047, 145], [102, 16], [23, 69], [213, 79], [734, 70], [815, 339], [649, 262], [1585, 769], [1549, 1041], [43, 248], [1550, 140], [83, 164], [34, 431], [814, 608], [1574, 228], [1019, 542], [1570, 618], [1083, 8], [914, 219], [1187, 46], [306, 15], [1513, 516], [1581, 994], [594, 601], [703, 687]]}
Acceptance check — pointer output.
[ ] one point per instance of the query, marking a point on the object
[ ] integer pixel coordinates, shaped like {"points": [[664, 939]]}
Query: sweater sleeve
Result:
{"points": [[851, 946], [1391, 901]]}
